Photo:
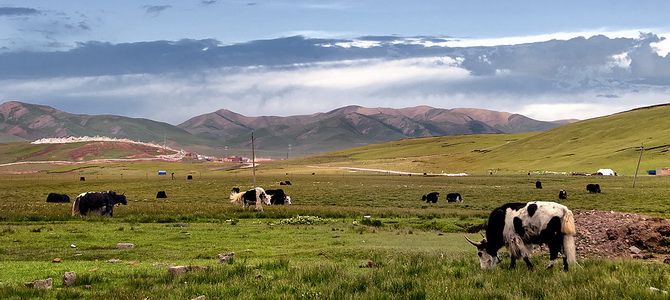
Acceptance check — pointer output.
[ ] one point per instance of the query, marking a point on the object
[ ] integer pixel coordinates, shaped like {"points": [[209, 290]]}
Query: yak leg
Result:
{"points": [[528, 263], [259, 205], [512, 263]]}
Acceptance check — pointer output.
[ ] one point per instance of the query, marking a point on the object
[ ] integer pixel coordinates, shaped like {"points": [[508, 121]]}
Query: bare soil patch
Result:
{"points": [[620, 235]]}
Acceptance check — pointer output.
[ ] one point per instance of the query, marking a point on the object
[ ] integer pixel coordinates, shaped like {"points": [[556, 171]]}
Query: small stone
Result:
{"points": [[56, 260], [226, 257], [132, 263], [370, 264], [69, 278], [114, 260], [158, 265], [634, 250], [177, 269], [124, 245], [199, 298], [43, 284]]}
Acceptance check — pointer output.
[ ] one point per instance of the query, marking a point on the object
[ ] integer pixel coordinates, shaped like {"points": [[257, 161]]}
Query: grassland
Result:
{"points": [[314, 249]]}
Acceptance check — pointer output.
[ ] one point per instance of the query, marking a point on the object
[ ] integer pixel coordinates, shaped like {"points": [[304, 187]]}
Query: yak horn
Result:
{"points": [[484, 237], [472, 242]]}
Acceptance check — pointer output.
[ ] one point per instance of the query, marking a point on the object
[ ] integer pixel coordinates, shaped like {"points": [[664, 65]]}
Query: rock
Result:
{"points": [[199, 298], [124, 245], [635, 250], [114, 260], [43, 284], [226, 257], [178, 269], [370, 264], [69, 278], [73, 246], [132, 263], [158, 265], [56, 260]]}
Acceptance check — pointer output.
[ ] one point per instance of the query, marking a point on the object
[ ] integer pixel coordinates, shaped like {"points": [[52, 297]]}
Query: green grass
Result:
{"points": [[313, 249]]}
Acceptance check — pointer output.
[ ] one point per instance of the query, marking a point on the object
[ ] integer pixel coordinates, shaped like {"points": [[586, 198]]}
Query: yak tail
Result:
{"points": [[568, 229], [75, 207], [568, 225], [569, 249], [236, 197]]}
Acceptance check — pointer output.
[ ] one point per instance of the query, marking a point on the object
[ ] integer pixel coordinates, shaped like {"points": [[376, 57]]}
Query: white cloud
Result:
{"points": [[551, 108], [362, 73], [663, 47], [515, 40], [621, 61]]}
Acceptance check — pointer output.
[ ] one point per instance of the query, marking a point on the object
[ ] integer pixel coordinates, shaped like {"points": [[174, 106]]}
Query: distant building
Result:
{"points": [[236, 159], [663, 171]]}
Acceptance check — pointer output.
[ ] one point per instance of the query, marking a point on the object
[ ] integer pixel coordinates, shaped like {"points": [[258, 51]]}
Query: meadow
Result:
{"points": [[316, 248]]}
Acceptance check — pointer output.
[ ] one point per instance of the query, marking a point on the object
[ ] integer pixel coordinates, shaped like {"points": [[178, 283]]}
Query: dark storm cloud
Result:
{"points": [[18, 11], [567, 63], [156, 9]]}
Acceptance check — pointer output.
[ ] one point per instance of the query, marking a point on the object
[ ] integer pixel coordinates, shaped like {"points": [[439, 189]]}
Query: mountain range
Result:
{"points": [[224, 132]]}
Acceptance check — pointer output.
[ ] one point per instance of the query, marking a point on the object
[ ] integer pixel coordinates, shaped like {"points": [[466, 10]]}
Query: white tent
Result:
{"points": [[607, 172]]}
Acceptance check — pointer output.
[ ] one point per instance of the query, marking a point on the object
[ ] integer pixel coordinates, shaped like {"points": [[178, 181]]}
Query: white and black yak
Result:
{"points": [[278, 197], [255, 196], [99, 202], [518, 226], [454, 197]]}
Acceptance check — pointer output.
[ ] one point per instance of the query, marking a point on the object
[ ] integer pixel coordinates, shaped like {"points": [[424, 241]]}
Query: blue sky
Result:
{"points": [[123, 57]]}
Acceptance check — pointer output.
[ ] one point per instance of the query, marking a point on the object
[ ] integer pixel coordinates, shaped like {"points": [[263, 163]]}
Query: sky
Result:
{"points": [[173, 60]]}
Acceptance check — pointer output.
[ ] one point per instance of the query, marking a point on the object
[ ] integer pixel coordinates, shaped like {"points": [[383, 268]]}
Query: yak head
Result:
{"points": [[487, 260], [265, 199], [118, 199]]}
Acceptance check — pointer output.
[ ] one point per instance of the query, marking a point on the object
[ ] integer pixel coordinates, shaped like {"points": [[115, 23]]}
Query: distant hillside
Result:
{"points": [[23, 121], [354, 126], [77, 152], [225, 132], [608, 142]]}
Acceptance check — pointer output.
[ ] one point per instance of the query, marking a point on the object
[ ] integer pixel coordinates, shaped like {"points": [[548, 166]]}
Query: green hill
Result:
{"points": [[586, 146]]}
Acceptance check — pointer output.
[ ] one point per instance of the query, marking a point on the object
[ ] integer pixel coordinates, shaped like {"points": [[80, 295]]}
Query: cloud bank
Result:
{"points": [[171, 81]]}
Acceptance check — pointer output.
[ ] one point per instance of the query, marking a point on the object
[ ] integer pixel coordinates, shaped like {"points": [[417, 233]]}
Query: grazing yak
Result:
{"points": [[161, 194], [431, 197], [285, 182], [255, 196], [278, 197], [593, 188], [518, 226], [538, 184], [562, 194], [100, 202], [54, 197], [454, 197]]}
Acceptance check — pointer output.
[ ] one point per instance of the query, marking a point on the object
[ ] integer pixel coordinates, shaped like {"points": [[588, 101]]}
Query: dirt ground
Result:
{"points": [[621, 235]]}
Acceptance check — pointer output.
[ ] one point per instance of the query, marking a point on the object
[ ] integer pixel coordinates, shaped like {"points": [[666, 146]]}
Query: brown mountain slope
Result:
{"points": [[352, 126]]}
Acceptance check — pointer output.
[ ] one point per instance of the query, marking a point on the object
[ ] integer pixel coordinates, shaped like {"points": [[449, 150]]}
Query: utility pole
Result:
{"points": [[253, 158], [638, 164], [288, 154]]}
